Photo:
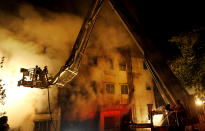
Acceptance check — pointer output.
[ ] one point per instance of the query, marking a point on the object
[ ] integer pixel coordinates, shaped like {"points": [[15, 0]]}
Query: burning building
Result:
{"points": [[113, 87], [113, 84]]}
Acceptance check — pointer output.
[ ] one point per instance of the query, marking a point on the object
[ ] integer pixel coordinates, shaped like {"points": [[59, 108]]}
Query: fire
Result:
{"points": [[18, 99], [14, 93], [27, 41], [198, 102], [20, 102], [157, 119]]}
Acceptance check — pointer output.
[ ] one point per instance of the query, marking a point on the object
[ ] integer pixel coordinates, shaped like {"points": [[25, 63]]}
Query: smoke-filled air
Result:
{"points": [[108, 39], [27, 39], [32, 38]]}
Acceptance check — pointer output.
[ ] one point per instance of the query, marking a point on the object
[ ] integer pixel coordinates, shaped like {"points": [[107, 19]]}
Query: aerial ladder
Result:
{"points": [[167, 84], [39, 79]]}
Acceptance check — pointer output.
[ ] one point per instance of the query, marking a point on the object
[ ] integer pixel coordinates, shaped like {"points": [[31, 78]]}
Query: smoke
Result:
{"points": [[29, 38], [142, 96], [40, 37], [109, 33], [85, 96], [108, 39]]}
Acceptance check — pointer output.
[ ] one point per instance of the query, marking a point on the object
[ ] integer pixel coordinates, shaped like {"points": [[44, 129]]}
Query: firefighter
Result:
{"points": [[44, 75], [169, 108], [180, 115], [124, 125], [170, 115], [45, 70], [180, 110], [38, 72], [3, 123]]}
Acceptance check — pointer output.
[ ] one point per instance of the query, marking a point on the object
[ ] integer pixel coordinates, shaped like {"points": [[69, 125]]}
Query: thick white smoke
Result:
{"points": [[26, 41], [108, 37]]}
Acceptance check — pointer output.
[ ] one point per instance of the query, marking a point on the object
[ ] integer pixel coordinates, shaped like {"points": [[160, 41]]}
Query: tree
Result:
{"points": [[2, 90], [189, 66]]}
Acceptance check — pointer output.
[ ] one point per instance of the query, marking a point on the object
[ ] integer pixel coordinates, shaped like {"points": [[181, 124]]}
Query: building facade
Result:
{"points": [[113, 86], [121, 85]]}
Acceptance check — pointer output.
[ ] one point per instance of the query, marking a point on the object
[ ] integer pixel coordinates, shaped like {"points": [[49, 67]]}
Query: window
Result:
{"points": [[42, 125], [123, 66], [94, 86], [124, 89], [109, 123], [148, 88], [92, 60], [110, 88]]}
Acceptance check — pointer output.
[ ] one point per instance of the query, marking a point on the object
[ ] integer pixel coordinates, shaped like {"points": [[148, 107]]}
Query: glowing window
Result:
{"points": [[124, 89], [42, 125], [110, 88]]}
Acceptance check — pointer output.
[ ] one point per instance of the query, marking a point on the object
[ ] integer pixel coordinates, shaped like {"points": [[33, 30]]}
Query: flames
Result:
{"points": [[37, 40], [19, 101], [25, 42]]}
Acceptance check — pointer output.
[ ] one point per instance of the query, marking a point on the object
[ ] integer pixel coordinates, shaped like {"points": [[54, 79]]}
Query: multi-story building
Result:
{"points": [[47, 121], [119, 83], [113, 85]]}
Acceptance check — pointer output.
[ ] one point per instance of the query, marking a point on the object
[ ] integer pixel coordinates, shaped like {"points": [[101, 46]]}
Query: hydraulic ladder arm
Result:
{"points": [[167, 84], [70, 69], [171, 89]]}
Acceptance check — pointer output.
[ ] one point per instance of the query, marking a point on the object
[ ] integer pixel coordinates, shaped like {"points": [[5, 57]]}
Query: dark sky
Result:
{"points": [[164, 20], [160, 20], [172, 17], [78, 7]]}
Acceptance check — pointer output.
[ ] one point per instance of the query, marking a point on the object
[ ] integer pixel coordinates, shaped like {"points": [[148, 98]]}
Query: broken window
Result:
{"points": [[110, 88], [124, 89], [42, 125], [92, 60]]}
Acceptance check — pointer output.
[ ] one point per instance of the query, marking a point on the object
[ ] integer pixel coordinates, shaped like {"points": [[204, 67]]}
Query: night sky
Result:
{"points": [[161, 21], [173, 17], [78, 7]]}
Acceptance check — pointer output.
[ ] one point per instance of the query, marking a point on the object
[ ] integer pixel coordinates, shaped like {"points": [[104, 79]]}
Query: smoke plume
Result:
{"points": [[33, 37], [28, 38], [107, 39]]}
